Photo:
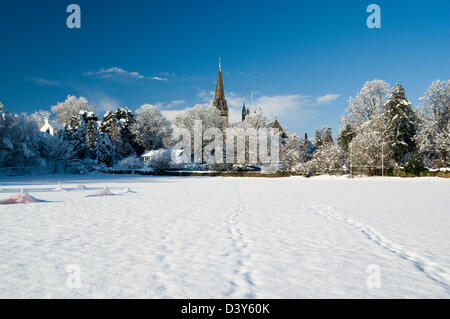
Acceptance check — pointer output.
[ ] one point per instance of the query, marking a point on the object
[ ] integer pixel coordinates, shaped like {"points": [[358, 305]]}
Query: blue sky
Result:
{"points": [[301, 59]]}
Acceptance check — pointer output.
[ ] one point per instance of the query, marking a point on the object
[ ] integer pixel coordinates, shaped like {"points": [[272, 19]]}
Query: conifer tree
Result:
{"points": [[345, 137], [79, 140], [104, 149], [91, 134], [400, 121], [328, 139]]}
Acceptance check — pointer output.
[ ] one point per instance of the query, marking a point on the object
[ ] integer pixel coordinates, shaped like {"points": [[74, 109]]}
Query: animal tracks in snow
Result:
{"points": [[431, 269]]}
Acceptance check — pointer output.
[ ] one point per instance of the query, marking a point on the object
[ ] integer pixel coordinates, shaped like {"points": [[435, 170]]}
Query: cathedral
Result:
{"points": [[221, 104]]}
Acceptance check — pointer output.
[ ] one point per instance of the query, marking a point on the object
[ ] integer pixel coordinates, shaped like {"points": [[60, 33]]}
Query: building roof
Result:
{"points": [[275, 124]]}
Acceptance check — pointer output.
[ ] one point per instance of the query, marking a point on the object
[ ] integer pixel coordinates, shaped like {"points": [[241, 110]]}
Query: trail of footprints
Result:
{"points": [[241, 251], [431, 269]]}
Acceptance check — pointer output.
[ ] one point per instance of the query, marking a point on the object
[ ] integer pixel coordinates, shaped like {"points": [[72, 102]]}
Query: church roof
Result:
{"points": [[275, 124]]}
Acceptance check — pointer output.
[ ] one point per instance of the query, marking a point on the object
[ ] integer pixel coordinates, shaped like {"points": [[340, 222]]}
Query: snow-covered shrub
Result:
{"points": [[158, 160], [272, 168], [130, 163]]}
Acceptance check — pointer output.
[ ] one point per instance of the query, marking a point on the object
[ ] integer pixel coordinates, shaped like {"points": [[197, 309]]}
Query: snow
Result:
{"points": [[128, 190], [216, 237]]}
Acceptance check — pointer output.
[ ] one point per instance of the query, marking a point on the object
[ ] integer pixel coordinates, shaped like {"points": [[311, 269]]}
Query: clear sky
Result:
{"points": [[301, 59]]}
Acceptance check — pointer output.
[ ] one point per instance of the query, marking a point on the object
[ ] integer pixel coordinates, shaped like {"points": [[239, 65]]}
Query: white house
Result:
{"points": [[51, 127]]}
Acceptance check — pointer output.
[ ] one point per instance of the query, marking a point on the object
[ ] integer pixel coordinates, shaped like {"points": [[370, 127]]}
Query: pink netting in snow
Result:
{"points": [[103, 192], [21, 198]]}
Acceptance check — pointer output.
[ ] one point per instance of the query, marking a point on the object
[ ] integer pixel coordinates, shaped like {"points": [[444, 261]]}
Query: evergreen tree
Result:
{"points": [[319, 138], [345, 137], [79, 142], [91, 134], [104, 149], [118, 126], [328, 139], [401, 124]]}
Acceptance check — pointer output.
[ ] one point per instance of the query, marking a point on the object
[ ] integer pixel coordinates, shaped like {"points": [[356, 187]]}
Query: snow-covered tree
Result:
{"points": [[66, 110], [328, 159], [104, 149], [253, 122], [210, 118], [345, 137], [92, 134], [118, 126], [19, 140], [371, 147], [40, 117], [57, 149], [328, 138], [209, 115], [367, 104], [401, 124], [293, 151], [320, 136], [78, 137], [433, 128], [151, 128], [255, 119]]}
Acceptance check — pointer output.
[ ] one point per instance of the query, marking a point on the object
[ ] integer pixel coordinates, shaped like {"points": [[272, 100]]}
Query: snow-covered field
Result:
{"points": [[227, 238]]}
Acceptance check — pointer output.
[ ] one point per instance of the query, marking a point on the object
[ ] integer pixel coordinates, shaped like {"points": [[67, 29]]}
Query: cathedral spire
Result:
{"points": [[219, 99]]}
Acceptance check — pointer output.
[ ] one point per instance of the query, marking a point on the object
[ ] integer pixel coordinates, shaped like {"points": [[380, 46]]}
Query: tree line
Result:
{"points": [[380, 128]]}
